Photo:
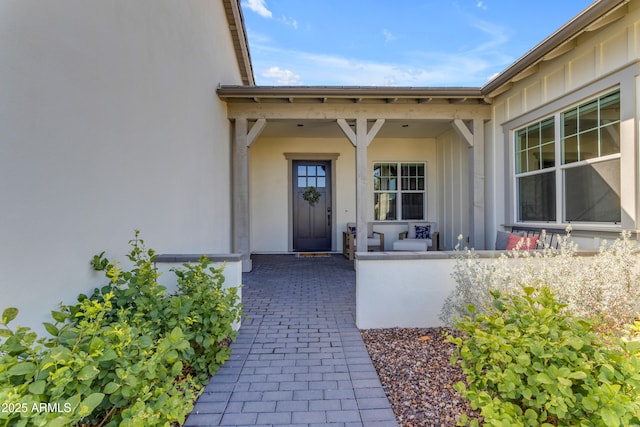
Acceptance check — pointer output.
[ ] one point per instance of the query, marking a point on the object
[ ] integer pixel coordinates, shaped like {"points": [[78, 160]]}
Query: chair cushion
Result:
{"points": [[412, 245], [527, 242], [412, 228], [502, 239], [373, 241], [423, 231]]}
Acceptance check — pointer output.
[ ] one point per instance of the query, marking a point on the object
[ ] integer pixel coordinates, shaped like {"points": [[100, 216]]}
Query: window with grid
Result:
{"points": [[591, 160], [535, 172], [582, 168], [399, 191]]}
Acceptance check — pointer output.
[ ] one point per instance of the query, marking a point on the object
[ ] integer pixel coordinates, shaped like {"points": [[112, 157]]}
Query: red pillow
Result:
{"points": [[514, 239]]}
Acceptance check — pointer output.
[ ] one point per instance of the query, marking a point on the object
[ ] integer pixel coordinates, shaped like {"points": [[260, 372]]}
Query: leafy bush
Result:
{"points": [[528, 363], [604, 286], [127, 355]]}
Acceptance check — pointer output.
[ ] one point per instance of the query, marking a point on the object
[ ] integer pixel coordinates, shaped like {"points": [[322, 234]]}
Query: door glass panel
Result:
{"points": [[302, 171], [302, 182], [322, 182], [311, 182], [311, 171], [321, 171]]}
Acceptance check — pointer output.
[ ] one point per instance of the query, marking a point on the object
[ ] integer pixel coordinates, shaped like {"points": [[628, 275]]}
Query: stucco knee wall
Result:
{"points": [[402, 290]]}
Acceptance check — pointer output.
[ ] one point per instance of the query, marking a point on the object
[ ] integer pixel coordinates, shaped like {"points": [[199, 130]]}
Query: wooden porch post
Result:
{"points": [[241, 213], [361, 140], [475, 141], [478, 185]]}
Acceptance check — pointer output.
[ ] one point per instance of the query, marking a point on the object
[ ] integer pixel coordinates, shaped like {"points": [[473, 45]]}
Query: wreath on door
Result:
{"points": [[311, 195]]}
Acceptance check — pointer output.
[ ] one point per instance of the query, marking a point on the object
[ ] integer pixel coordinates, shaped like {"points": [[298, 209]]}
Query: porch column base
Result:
{"points": [[247, 264]]}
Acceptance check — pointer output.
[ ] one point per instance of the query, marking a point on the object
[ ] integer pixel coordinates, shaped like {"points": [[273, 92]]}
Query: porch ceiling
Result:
{"points": [[326, 128]]}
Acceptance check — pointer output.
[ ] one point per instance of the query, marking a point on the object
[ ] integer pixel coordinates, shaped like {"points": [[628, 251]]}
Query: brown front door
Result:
{"points": [[312, 218]]}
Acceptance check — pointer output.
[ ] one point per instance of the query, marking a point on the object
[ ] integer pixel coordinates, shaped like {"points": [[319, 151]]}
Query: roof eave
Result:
{"points": [[230, 92], [237, 29]]}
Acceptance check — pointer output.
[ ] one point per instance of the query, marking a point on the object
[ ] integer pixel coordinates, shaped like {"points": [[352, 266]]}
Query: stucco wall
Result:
{"points": [[109, 123], [270, 185], [601, 59]]}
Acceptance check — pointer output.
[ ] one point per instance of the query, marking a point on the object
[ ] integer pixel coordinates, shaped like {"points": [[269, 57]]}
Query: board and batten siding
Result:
{"points": [[600, 60]]}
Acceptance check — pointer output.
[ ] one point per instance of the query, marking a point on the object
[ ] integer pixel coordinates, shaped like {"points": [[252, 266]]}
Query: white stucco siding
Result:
{"points": [[109, 123]]}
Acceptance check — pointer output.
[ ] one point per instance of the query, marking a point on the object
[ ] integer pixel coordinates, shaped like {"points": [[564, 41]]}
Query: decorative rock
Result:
{"points": [[417, 375]]}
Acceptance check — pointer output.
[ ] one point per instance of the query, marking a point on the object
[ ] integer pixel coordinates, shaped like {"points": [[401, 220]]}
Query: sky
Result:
{"points": [[419, 43]]}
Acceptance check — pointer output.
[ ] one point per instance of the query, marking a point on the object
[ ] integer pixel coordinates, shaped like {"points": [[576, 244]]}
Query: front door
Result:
{"points": [[312, 214]]}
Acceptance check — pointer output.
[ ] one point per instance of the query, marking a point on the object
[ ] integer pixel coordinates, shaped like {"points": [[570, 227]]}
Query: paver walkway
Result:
{"points": [[299, 359]]}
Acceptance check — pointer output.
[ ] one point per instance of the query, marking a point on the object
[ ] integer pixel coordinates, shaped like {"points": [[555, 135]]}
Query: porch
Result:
{"points": [[350, 133]]}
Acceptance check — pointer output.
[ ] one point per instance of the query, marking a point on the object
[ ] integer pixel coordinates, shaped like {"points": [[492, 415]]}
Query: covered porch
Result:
{"points": [[287, 139]]}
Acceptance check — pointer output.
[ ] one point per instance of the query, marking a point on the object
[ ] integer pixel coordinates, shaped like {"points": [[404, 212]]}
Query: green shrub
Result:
{"points": [[127, 355], [528, 363]]}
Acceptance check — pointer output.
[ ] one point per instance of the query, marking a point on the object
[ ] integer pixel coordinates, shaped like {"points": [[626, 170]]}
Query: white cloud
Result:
{"points": [[498, 35], [468, 66], [290, 22], [318, 69], [481, 5], [282, 77], [259, 7], [388, 36]]}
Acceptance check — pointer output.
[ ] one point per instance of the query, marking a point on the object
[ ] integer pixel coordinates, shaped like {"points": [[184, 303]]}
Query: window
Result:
{"points": [[584, 169], [399, 191], [535, 158], [312, 176]]}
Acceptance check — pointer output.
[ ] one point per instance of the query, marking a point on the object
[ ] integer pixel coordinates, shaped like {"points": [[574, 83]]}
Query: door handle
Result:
{"points": [[329, 216]]}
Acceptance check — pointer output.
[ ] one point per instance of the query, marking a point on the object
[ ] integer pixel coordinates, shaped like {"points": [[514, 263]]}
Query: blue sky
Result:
{"points": [[395, 42]]}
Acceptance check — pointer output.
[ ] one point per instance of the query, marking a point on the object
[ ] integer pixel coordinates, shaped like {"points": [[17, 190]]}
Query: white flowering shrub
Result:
{"points": [[604, 286]]}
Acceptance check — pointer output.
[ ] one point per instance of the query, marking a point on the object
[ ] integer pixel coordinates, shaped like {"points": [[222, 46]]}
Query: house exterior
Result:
{"points": [[109, 122], [144, 115], [549, 142]]}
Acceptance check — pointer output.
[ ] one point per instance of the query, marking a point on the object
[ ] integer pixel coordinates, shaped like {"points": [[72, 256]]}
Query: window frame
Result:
{"points": [[399, 191], [560, 166]]}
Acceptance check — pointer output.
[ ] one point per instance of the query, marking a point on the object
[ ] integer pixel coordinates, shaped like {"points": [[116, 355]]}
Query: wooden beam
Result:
{"points": [[255, 131], [349, 133], [374, 130], [463, 131]]}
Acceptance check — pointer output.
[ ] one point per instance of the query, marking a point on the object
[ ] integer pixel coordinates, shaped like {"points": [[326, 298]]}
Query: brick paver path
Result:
{"points": [[299, 359]]}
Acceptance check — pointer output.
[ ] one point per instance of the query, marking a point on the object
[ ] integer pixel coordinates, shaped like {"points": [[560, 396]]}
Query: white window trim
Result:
{"points": [[559, 168], [399, 192]]}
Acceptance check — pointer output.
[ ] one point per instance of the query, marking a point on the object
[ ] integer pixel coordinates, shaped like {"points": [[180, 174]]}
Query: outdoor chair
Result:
{"points": [[375, 240], [421, 236]]}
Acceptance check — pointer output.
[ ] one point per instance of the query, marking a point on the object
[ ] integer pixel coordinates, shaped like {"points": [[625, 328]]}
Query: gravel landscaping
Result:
{"points": [[416, 373]]}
